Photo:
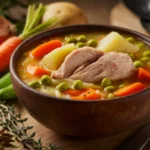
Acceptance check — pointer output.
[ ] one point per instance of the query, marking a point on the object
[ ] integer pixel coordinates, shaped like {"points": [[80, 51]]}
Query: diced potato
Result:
{"points": [[115, 42], [48, 90], [54, 59]]}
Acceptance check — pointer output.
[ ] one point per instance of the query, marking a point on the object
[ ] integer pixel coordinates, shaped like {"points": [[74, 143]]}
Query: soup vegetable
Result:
{"points": [[87, 66]]}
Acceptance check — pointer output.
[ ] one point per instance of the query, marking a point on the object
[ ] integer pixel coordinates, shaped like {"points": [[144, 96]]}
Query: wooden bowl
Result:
{"points": [[80, 118]]}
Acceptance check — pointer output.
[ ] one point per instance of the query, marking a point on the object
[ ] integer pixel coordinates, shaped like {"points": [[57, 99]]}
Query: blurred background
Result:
{"points": [[128, 14], [97, 11]]}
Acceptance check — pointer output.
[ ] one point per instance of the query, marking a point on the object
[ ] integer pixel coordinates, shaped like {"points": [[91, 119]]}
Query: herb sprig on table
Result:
{"points": [[12, 127]]}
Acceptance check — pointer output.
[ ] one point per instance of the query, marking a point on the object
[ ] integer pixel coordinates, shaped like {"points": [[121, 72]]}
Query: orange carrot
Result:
{"points": [[2, 39], [37, 71], [130, 89], [88, 94], [143, 74], [6, 50], [73, 92], [45, 48]]}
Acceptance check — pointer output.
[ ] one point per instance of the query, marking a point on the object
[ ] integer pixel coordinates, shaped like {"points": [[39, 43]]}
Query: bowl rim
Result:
{"points": [[13, 71]]}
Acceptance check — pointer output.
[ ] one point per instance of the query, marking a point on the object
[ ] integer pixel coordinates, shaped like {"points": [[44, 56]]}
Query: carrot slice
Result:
{"points": [[6, 50], [143, 74], [130, 89], [88, 94], [72, 92], [37, 71], [45, 48]]}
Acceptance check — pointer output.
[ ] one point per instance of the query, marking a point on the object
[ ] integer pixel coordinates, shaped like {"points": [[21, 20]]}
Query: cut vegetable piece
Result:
{"points": [[54, 59], [88, 94], [37, 71], [115, 42], [143, 74], [73, 92], [45, 48], [130, 89]]}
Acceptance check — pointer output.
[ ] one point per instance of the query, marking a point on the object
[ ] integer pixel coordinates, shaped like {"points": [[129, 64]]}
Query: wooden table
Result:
{"points": [[101, 14]]}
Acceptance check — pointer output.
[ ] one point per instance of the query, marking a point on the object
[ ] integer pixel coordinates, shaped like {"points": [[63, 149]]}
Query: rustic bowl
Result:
{"points": [[81, 118]]}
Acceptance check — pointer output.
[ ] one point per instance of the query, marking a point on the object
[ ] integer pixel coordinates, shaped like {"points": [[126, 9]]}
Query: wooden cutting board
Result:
{"points": [[123, 17], [119, 16]]}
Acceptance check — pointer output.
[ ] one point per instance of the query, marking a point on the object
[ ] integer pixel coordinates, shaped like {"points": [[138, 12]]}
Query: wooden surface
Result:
{"points": [[120, 16]]}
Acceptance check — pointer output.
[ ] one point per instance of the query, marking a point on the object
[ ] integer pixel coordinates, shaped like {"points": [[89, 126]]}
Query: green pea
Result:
{"points": [[145, 59], [147, 53], [110, 95], [62, 87], [109, 88], [71, 40], [82, 38], [92, 43], [131, 39], [105, 82], [46, 80], [131, 55], [80, 44], [78, 85], [140, 45], [122, 85], [34, 84], [138, 64]]}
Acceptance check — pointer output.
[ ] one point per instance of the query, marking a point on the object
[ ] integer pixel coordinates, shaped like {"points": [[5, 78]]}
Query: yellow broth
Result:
{"points": [[27, 59]]}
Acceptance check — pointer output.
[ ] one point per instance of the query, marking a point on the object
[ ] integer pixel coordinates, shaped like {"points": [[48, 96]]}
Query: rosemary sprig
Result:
{"points": [[13, 123]]}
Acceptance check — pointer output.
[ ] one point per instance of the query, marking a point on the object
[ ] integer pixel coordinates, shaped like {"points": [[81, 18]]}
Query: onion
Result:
{"points": [[6, 29]]}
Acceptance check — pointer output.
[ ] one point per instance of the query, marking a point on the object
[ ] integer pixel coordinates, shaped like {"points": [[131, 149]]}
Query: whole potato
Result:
{"points": [[67, 13]]}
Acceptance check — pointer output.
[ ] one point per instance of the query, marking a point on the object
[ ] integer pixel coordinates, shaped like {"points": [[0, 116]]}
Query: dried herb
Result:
{"points": [[13, 124], [5, 139]]}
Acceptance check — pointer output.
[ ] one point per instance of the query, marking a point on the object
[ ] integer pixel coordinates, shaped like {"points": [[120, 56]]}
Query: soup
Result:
{"points": [[87, 66]]}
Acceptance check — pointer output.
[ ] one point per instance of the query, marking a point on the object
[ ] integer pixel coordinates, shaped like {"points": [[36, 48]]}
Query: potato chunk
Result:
{"points": [[115, 42], [54, 59]]}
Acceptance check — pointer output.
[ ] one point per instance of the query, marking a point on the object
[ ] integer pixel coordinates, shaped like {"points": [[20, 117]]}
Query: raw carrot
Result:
{"points": [[88, 94], [143, 74], [2, 39], [34, 14], [37, 71], [6, 50], [45, 48], [130, 89]]}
